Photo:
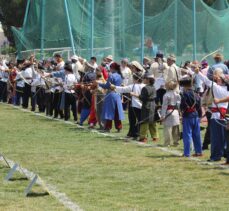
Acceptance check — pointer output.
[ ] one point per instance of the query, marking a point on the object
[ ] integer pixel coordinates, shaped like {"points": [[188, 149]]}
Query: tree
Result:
{"points": [[11, 14]]}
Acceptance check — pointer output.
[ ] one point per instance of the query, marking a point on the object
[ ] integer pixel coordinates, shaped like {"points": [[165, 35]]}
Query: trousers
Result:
{"points": [[171, 134], [151, 127], [191, 132], [118, 123], [218, 139], [70, 100], [134, 116]]}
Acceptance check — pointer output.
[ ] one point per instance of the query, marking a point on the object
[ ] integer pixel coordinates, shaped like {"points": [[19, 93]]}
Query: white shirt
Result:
{"points": [[173, 74], [219, 92], [70, 79], [60, 65], [38, 81], [127, 75], [20, 82], [5, 76], [158, 69], [28, 73], [75, 68], [136, 88]]}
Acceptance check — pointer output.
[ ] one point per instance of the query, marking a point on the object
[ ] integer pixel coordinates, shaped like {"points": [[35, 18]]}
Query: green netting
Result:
{"points": [[117, 28]]}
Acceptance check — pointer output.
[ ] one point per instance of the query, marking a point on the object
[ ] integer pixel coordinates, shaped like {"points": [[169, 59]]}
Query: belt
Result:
{"points": [[222, 111], [190, 110], [28, 78], [171, 107]]}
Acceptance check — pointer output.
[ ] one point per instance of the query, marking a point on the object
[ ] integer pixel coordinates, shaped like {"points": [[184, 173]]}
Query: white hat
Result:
{"points": [[137, 65], [110, 57], [88, 66], [147, 75], [172, 57], [74, 57]]}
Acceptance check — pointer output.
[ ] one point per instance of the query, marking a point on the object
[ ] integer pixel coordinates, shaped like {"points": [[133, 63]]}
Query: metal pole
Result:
{"points": [[123, 23], [142, 30], [69, 27], [24, 22], [42, 27], [194, 30], [26, 12], [175, 26], [92, 26]]}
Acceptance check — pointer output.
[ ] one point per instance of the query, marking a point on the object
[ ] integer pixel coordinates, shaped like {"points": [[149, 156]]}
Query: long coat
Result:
{"points": [[112, 99], [172, 118], [148, 96]]}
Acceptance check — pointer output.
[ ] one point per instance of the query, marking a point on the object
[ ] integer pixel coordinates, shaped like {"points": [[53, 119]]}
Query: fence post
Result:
{"points": [[92, 26], [142, 29], [69, 27], [194, 30]]}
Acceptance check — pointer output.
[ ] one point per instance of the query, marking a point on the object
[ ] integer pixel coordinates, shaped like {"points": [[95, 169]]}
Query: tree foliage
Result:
{"points": [[12, 13]]}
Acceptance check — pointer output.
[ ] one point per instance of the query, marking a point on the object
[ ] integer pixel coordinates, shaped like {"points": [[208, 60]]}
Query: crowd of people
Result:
{"points": [[157, 92]]}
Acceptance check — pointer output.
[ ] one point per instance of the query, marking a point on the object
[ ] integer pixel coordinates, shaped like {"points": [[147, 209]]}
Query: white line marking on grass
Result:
{"points": [[61, 197], [165, 149]]}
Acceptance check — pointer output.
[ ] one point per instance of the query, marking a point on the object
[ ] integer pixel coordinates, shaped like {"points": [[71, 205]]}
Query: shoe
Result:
{"points": [[118, 130], [185, 156], [175, 144], [105, 131], [204, 147], [155, 139], [165, 145], [197, 155], [211, 160], [225, 164], [143, 140]]}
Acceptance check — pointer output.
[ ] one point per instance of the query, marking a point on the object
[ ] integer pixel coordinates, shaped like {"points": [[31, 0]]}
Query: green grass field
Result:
{"points": [[101, 173]]}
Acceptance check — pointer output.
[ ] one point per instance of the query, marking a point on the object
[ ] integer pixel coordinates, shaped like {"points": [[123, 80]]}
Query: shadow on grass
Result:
{"points": [[18, 179], [224, 173], [33, 194], [4, 167], [162, 156]]}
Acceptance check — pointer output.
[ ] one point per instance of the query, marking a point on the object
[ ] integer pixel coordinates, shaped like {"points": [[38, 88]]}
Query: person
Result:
{"points": [[126, 72], [147, 97], [112, 105], [218, 64], [108, 61], [134, 110], [4, 77], [225, 100], [135, 67], [27, 75], [218, 129], [147, 63], [127, 79], [173, 72], [159, 69], [170, 114], [198, 84], [12, 84], [70, 99], [88, 78], [93, 62], [59, 62], [204, 67], [97, 101], [58, 74], [76, 65], [191, 112], [20, 83]]}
